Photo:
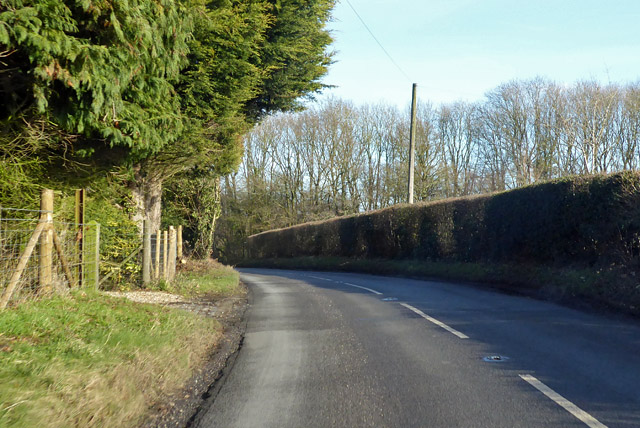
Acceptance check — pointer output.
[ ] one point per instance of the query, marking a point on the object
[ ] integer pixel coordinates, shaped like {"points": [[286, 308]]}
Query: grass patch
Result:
{"points": [[206, 279], [613, 288], [86, 359]]}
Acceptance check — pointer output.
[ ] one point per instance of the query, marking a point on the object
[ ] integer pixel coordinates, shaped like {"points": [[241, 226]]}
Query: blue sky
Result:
{"points": [[460, 49]]}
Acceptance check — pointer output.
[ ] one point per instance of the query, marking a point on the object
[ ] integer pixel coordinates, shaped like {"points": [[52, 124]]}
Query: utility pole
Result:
{"points": [[412, 142]]}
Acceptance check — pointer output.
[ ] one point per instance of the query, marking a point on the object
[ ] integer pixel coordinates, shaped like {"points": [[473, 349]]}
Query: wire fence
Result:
{"points": [[125, 260], [120, 257], [42, 255], [80, 244], [16, 229]]}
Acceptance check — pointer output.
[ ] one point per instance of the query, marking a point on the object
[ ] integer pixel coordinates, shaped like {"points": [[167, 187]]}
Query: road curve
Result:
{"points": [[351, 350]]}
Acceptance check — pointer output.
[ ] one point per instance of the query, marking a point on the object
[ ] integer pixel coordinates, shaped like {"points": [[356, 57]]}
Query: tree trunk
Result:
{"points": [[146, 193], [209, 209]]}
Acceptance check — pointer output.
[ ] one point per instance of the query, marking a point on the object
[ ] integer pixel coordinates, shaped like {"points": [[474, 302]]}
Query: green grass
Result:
{"points": [[612, 288], [87, 359], [204, 279]]}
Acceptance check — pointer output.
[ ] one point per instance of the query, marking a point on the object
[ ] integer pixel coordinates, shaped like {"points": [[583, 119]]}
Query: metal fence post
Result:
{"points": [[146, 253]]}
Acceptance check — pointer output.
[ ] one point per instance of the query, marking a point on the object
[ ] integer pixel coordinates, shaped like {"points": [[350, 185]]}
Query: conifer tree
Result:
{"points": [[98, 70], [295, 54], [275, 54], [163, 87]]}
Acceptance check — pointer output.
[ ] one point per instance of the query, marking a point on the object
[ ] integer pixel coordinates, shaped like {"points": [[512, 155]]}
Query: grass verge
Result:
{"points": [[610, 289], [206, 279], [90, 360]]}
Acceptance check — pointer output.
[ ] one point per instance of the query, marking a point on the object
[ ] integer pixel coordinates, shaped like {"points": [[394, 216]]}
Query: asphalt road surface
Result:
{"points": [[350, 350]]}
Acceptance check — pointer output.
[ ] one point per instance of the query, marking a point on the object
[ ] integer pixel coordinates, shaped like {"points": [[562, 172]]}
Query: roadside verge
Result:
{"points": [[611, 290], [88, 359]]}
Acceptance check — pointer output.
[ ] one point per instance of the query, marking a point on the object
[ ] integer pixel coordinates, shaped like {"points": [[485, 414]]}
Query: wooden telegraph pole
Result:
{"points": [[412, 143]]}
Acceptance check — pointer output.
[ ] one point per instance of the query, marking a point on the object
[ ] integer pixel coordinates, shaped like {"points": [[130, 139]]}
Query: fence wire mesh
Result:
{"points": [[163, 253], [80, 246], [16, 228], [58, 257], [120, 256], [40, 255]]}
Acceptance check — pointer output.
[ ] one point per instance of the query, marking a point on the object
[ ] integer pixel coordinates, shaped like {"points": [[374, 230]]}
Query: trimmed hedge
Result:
{"points": [[582, 221]]}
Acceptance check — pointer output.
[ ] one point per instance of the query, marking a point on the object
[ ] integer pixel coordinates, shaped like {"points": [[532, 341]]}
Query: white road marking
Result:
{"points": [[324, 279], [364, 288], [585, 417], [435, 321], [346, 283]]}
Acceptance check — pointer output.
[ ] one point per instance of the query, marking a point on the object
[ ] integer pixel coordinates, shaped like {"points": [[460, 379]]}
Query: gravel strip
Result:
{"points": [[157, 297], [167, 299]]}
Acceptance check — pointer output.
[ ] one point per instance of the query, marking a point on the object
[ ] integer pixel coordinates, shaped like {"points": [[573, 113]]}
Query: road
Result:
{"points": [[351, 350]]}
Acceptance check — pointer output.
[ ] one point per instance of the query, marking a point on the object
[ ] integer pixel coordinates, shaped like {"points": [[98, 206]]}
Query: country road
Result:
{"points": [[350, 350]]}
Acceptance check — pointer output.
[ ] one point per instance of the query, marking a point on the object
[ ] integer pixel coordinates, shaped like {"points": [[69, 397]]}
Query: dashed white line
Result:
{"points": [[346, 283], [583, 416], [435, 321], [323, 279], [364, 288], [577, 412]]}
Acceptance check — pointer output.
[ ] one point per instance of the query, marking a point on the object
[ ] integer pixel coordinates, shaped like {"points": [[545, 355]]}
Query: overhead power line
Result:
{"points": [[378, 41]]}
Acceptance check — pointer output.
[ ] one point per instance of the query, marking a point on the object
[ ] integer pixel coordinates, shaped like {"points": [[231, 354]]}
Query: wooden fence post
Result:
{"points": [[146, 253], [165, 256], [79, 219], [179, 254], [63, 260], [172, 253], [156, 273], [46, 240], [96, 261], [92, 254]]}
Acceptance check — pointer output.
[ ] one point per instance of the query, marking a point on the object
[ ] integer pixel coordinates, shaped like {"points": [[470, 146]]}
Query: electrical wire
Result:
{"points": [[378, 42]]}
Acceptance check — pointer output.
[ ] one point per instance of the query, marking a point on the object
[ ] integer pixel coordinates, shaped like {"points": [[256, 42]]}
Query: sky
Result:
{"points": [[460, 49]]}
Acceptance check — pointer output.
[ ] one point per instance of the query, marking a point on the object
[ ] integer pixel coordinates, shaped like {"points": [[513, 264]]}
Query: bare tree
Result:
{"points": [[592, 119], [336, 158], [628, 129], [457, 142]]}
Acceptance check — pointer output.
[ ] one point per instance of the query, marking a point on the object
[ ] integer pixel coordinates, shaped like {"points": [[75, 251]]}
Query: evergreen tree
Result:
{"points": [[85, 80], [294, 54], [98, 70], [158, 86], [248, 59]]}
